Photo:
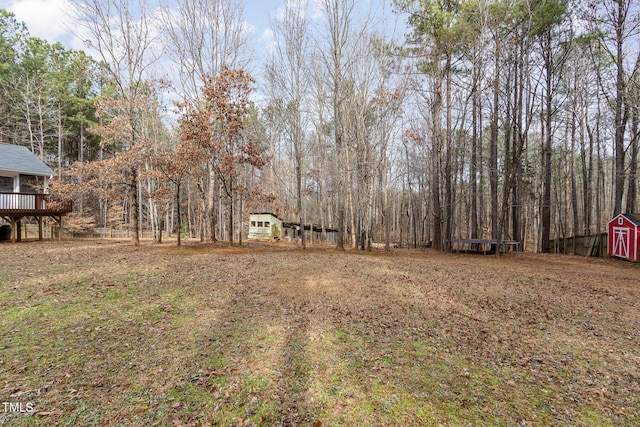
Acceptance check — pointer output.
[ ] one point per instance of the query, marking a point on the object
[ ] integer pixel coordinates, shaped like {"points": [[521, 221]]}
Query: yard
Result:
{"points": [[103, 333]]}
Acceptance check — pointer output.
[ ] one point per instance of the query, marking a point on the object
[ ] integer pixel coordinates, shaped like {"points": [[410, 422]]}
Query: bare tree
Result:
{"points": [[121, 33], [616, 25], [337, 55], [220, 128], [203, 37], [288, 75], [547, 20], [634, 136]]}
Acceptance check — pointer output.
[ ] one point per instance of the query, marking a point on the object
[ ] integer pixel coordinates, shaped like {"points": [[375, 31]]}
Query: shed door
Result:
{"points": [[621, 242]]}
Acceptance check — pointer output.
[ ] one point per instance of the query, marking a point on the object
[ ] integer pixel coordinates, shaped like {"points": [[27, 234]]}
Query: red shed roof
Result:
{"points": [[634, 218]]}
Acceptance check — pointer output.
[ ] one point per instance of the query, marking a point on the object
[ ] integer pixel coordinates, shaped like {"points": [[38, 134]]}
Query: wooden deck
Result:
{"points": [[25, 204], [15, 206]]}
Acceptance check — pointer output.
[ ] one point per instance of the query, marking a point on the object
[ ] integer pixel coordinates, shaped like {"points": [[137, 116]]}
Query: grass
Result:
{"points": [[101, 333]]}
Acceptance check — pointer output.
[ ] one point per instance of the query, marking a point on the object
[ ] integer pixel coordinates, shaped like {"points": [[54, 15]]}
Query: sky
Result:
{"points": [[45, 19], [48, 19]]}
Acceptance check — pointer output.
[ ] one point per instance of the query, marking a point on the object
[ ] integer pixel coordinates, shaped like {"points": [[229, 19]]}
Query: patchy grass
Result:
{"points": [[102, 333]]}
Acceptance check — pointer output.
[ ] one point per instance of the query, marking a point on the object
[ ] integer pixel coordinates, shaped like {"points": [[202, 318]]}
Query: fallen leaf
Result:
{"points": [[49, 413]]}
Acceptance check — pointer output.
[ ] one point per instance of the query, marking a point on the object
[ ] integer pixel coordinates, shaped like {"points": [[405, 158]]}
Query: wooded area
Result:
{"points": [[489, 119]]}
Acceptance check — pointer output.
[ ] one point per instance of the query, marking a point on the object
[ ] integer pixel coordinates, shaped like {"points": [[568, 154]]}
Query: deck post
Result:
{"points": [[39, 219]]}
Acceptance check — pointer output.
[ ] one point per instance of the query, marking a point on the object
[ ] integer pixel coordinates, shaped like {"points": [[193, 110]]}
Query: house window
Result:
{"points": [[6, 184], [31, 184], [253, 223], [266, 224], [259, 223]]}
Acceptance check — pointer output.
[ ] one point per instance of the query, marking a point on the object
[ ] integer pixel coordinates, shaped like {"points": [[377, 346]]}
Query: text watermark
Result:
{"points": [[18, 407]]}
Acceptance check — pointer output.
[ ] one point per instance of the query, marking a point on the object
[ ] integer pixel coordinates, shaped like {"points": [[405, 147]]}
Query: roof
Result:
{"points": [[16, 158], [264, 213], [632, 218]]}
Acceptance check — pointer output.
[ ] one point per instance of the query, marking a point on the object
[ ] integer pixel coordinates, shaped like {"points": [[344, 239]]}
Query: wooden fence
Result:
{"points": [[30, 231], [594, 245], [106, 233]]}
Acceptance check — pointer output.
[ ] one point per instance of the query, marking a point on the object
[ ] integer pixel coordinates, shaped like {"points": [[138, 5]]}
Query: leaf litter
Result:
{"points": [[101, 333]]}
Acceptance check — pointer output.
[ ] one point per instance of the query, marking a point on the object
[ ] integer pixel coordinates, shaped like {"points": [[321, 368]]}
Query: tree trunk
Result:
{"points": [[545, 210], [60, 140], [473, 168], [448, 190], [436, 117], [621, 115], [133, 198], [303, 239], [179, 209], [633, 161], [210, 213], [230, 194], [493, 149], [574, 183]]}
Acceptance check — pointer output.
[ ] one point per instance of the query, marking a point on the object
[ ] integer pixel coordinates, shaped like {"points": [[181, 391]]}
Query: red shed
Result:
{"points": [[624, 236]]}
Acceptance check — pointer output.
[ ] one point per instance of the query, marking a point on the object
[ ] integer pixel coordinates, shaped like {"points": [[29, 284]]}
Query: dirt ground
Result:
{"points": [[104, 333]]}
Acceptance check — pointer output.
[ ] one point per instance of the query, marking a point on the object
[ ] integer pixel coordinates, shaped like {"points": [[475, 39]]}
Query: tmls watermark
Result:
{"points": [[18, 407]]}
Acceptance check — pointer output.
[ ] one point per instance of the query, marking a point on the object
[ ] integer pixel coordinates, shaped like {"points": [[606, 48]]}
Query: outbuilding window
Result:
{"points": [[266, 224], [620, 221]]}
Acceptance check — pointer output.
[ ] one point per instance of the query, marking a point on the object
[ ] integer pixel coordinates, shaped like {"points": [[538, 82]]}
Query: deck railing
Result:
{"points": [[26, 203]]}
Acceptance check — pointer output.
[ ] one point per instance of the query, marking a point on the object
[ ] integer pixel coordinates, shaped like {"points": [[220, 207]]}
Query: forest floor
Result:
{"points": [[104, 333]]}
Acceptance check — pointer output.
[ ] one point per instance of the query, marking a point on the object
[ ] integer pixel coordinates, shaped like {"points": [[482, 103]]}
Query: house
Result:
{"points": [[624, 236], [264, 226], [24, 180]]}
